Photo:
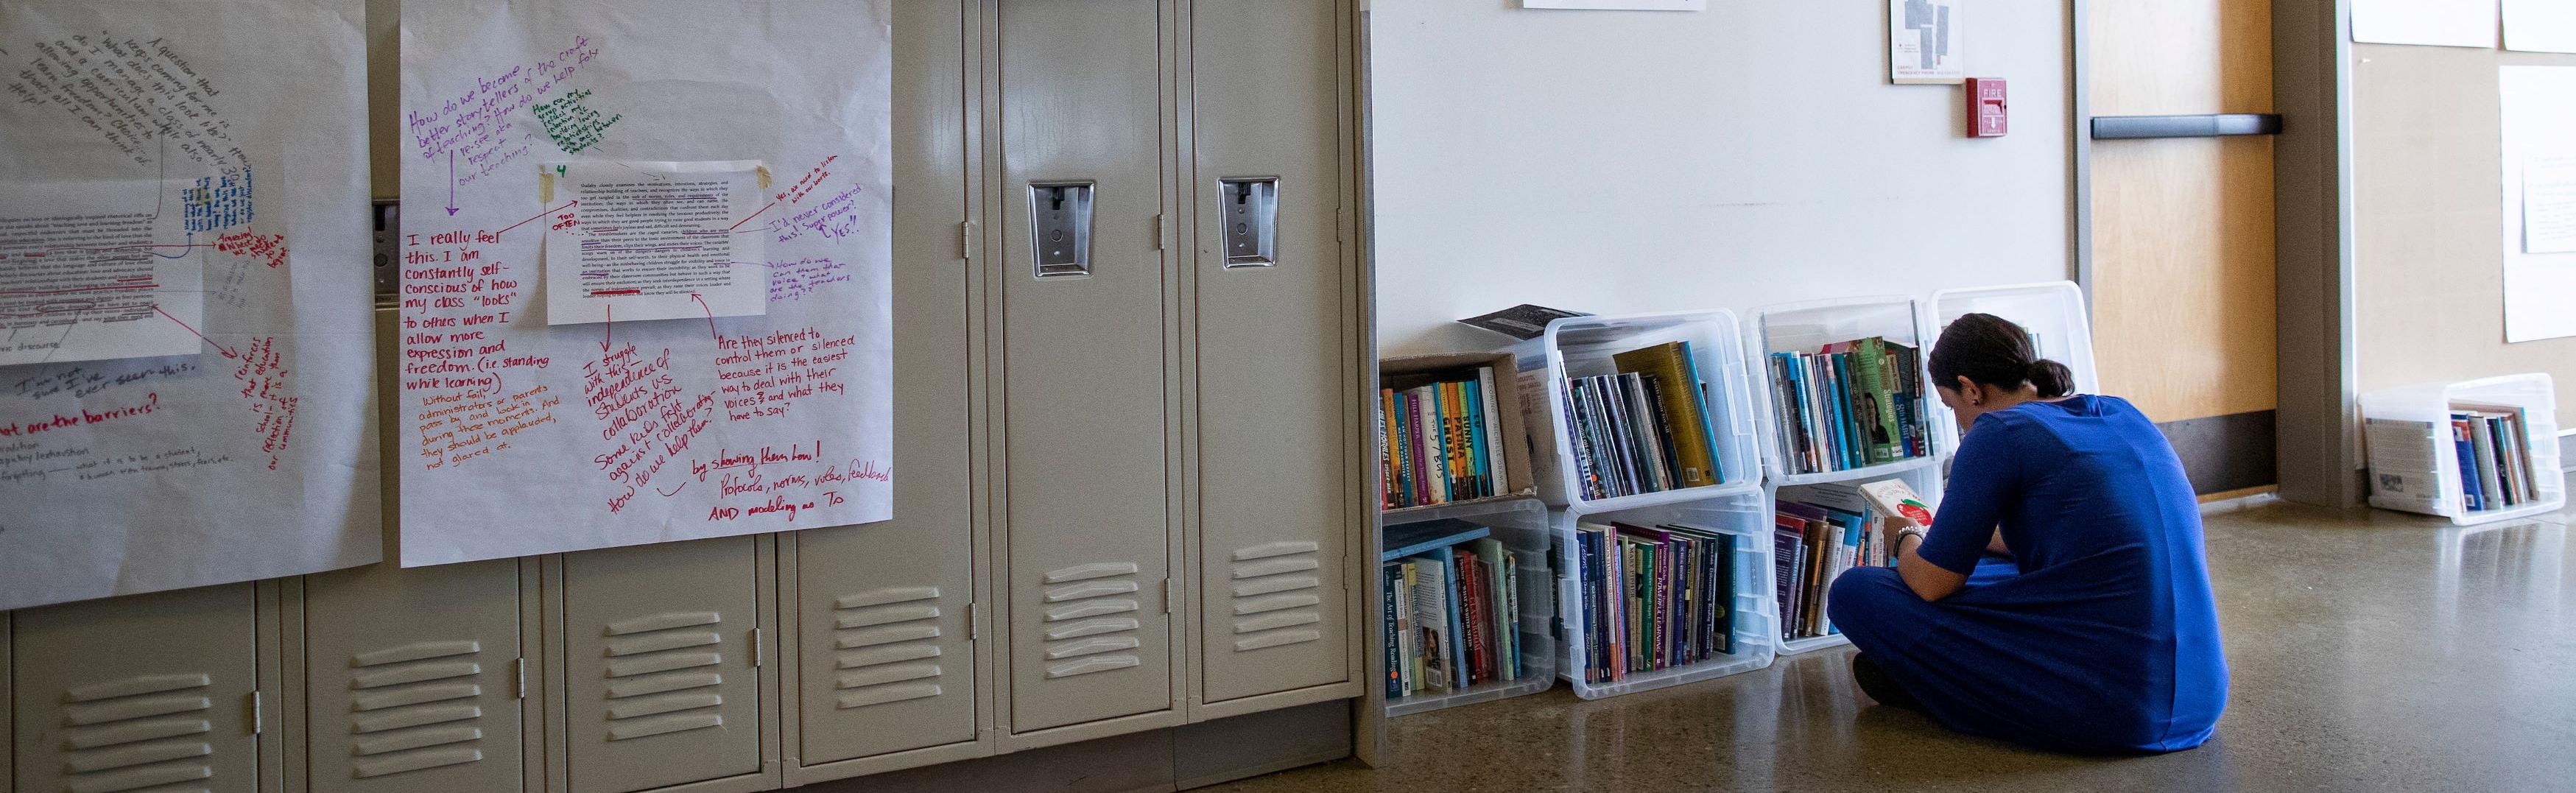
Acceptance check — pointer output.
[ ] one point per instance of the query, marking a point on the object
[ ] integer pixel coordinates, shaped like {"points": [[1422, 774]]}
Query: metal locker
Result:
{"points": [[1085, 329], [138, 692], [659, 679], [413, 678], [885, 659], [1274, 353]]}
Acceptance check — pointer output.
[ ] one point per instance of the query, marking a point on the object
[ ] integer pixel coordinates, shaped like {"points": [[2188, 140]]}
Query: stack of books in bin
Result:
{"points": [[1451, 608]]}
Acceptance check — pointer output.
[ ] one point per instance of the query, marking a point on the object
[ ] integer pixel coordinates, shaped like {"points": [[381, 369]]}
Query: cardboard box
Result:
{"points": [[1417, 370]]}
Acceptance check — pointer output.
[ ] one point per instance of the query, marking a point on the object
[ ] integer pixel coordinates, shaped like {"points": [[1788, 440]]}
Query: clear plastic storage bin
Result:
{"points": [[2414, 466], [1920, 478], [1740, 514], [1583, 346], [1805, 327], [1521, 524]]}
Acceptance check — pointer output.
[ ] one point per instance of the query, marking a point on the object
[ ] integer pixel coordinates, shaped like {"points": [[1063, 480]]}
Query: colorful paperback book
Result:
{"points": [[1413, 663], [2471, 496], [1816, 561], [1471, 615], [1497, 647], [1621, 585], [1390, 578], [1495, 453], [1481, 483], [1444, 645], [1793, 613], [1386, 448], [1855, 450], [1892, 497], [1587, 575], [1715, 599], [1878, 401], [1792, 435], [1578, 445], [1502, 627], [1684, 406], [1512, 612], [1425, 490], [2482, 444], [1645, 433], [1450, 458]]}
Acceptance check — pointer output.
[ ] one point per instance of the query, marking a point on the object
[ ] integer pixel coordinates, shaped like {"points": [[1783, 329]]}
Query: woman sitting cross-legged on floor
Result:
{"points": [[2060, 599]]}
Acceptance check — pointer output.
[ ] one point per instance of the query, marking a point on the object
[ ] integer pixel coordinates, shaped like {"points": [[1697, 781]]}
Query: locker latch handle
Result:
{"points": [[1060, 228], [1251, 218]]}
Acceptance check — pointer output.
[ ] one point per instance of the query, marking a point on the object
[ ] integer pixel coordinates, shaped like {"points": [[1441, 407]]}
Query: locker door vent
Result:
{"points": [[658, 671], [138, 732], [889, 643], [1084, 632], [1276, 600], [416, 708]]}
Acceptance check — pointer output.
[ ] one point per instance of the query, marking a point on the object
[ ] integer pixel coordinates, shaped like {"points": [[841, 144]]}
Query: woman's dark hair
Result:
{"points": [[1992, 351]]}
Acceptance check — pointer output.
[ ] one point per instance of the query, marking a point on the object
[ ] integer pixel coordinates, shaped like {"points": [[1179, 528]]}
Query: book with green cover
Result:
{"points": [[1678, 388], [1877, 393], [1504, 639]]}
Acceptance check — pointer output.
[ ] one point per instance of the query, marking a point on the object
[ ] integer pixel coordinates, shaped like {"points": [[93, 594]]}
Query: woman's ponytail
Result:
{"points": [[1994, 352], [2051, 378]]}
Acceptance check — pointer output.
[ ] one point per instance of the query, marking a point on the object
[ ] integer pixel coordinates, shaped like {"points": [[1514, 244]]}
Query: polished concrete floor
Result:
{"points": [[2371, 651]]}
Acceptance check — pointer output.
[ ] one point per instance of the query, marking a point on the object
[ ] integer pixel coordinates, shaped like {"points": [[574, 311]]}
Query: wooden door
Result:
{"points": [[2183, 283]]}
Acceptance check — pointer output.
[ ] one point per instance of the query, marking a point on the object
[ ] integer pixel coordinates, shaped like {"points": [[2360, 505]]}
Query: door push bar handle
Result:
{"points": [[2208, 126]]}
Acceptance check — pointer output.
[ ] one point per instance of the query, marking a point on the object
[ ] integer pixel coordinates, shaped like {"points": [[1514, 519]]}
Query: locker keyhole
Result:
{"points": [[1056, 195]]}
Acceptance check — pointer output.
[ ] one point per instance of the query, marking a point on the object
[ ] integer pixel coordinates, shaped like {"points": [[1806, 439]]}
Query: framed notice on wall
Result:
{"points": [[1924, 42]]}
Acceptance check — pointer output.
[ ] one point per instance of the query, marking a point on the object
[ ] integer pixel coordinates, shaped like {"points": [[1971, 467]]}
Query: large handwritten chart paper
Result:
{"points": [[585, 364], [184, 357]]}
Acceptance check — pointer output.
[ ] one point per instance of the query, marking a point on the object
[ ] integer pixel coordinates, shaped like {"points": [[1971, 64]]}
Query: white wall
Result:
{"points": [[1750, 154]]}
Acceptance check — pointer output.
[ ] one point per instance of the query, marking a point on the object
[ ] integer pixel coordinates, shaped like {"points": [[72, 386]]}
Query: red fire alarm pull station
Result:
{"points": [[1987, 116]]}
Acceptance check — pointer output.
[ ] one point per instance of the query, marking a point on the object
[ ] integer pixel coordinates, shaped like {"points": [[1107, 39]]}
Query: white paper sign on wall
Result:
{"points": [[1926, 42], [1620, 5]]}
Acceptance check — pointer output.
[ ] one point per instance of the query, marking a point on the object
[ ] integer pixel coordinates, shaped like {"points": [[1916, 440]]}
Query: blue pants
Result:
{"points": [[1996, 669]]}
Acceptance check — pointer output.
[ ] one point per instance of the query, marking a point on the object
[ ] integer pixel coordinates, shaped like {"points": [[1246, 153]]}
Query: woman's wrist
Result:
{"points": [[1902, 535]]}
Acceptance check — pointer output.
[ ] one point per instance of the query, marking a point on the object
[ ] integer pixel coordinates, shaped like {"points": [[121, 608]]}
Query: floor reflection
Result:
{"points": [[2368, 650]]}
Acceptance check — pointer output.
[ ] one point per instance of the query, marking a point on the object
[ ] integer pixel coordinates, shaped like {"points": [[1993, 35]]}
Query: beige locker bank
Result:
{"points": [[1130, 530]]}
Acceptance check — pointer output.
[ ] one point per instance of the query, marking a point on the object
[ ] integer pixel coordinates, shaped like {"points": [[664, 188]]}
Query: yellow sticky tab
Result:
{"points": [[545, 187], [764, 176]]}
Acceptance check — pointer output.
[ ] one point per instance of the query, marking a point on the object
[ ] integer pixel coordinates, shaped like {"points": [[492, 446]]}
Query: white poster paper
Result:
{"points": [[94, 271], [2539, 140], [1924, 41], [2441, 23], [654, 240], [2540, 25], [742, 414], [206, 417]]}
